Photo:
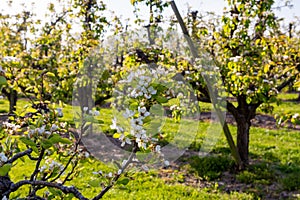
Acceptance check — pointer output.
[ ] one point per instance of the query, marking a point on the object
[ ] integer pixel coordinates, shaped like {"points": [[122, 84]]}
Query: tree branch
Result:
{"points": [[65, 189], [286, 83], [99, 196], [19, 155]]}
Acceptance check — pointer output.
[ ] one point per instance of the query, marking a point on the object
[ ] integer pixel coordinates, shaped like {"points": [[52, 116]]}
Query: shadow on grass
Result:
{"points": [[266, 177]]}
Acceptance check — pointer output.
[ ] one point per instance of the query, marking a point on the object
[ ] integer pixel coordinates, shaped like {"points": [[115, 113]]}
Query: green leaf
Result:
{"points": [[65, 141], [35, 149], [133, 106], [3, 80], [157, 110], [50, 74], [147, 120], [46, 144], [55, 138], [5, 169], [95, 183], [105, 75], [123, 181], [27, 141], [99, 121], [161, 99]]}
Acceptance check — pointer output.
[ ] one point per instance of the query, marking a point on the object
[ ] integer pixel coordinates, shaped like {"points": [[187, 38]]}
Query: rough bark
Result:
{"points": [[243, 130], [12, 97], [243, 114]]}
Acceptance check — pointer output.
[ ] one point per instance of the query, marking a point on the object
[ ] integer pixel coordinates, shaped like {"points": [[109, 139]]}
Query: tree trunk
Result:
{"points": [[243, 128], [243, 114], [12, 97]]}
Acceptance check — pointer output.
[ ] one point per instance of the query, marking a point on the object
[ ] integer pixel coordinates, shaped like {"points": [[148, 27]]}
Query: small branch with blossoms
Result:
{"points": [[65, 189], [47, 139]]}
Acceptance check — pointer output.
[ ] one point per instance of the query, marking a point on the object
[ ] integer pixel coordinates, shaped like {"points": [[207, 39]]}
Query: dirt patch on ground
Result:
{"points": [[260, 120], [226, 183]]}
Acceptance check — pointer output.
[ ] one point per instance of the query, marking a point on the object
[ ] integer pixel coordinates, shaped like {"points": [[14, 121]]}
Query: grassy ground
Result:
{"points": [[274, 172]]}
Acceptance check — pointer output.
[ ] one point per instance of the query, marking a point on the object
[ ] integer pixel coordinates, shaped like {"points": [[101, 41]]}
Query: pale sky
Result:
{"points": [[124, 8]]}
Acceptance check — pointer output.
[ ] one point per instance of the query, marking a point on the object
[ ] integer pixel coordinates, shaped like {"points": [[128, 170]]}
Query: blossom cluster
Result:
{"points": [[43, 130], [11, 128], [137, 131], [140, 87], [91, 112], [51, 166], [143, 87]]}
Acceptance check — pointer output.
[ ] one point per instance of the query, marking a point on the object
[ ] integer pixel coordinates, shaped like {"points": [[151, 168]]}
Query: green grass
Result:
{"points": [[277, 154], [287, 104]]}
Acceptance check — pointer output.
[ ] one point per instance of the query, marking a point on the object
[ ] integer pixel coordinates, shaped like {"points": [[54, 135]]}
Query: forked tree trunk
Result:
{"points": [[243, 114]]}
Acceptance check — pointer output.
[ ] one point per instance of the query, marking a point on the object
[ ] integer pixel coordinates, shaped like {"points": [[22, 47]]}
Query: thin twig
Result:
{"points": [[118, 175]]}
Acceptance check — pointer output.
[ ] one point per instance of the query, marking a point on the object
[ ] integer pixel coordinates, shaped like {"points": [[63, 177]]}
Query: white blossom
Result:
{"points": [[285, 57], [1, 69], [4, 198], [43, 168], [166, 162], [96, 113], [98, 172], [55, 164], [128, 113], [157, 148], [12, 127], [125, 140], [41, 130], [124, 163], [47, 133], [31, 132], [59, 112], [63, 124], [136, 122], [144, 167], [86, 154], [114, 123], [53, 128], [295, 116], [151, 90], [10, 59], [235, 59], [3, 158], [143, 112], [114, 126]]}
